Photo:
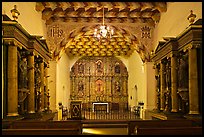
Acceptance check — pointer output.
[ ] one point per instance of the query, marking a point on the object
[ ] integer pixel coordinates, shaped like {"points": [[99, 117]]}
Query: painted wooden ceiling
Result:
{"points": [[76, 22]]}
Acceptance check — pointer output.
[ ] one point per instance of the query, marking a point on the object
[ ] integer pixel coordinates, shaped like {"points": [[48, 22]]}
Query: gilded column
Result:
{"points": [[193, 81], [174, 87], [31, 97], [42, 86], [162, 100], [109, 89], [12, 80]]}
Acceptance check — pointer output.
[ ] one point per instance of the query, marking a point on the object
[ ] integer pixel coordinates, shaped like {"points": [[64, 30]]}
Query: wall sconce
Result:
{"points": [[15, 13]]}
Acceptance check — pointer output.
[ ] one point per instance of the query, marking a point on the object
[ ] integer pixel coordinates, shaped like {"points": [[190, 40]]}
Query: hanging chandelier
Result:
{"points": [[103, 31]]}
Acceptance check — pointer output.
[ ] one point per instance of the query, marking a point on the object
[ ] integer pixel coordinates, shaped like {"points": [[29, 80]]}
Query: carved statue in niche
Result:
{"points": [[168, 76], [81, 68], [183, 72], [117, 68], [117, 86], [99, 67], [157, 77], [80, 88], [37, 76], [99, 86], [23, 83], [37, 86], [167, 92], [183, 82], [167, 100]]}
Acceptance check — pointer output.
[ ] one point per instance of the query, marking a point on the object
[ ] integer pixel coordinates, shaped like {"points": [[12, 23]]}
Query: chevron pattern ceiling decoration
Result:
{"points": [[90, 11], [84, 45], [79, 41]]}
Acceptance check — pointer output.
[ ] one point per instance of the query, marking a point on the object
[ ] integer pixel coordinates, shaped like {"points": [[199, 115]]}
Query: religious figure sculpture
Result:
{"points": [[168, 76], [80, 88], [167, 92], [81, 68], [117, 86], [183, 73], [99, 66], [157, 77], [37, 87], [117, 68], [23, 83], [37, 76], [99, 86]]}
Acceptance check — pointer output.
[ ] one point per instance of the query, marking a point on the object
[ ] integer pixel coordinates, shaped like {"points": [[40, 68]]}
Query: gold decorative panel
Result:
{"points": [[99, 79]]}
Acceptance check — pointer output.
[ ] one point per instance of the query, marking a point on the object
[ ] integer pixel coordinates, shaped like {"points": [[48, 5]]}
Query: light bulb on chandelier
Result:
{"points": [[104, 31]]}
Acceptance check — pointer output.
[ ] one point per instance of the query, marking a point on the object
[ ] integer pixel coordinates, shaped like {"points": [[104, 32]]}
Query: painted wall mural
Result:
{"points": [[99, 79]]}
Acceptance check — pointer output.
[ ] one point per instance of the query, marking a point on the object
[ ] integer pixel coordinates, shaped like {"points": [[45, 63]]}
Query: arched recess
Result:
{"points": [[99, 79], [80, 42]]}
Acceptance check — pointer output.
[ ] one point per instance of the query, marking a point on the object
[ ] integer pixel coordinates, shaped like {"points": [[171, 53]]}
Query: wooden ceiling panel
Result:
{"points": [[94, 9]]}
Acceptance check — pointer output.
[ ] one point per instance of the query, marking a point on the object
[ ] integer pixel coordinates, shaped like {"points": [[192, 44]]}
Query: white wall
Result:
{"points": [[52, 80], [63, 81], [149, 99], [29, 18], [174, 20], [150, 91], [136, 77]]}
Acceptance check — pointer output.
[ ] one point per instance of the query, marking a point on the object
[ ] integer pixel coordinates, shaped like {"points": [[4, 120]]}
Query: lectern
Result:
{"points": [[75, 109]]}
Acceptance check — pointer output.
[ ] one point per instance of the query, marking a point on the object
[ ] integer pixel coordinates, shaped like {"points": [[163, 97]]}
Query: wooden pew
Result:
{"points": [[6, 124], [170, 131], [157, 123], [45, 124], [60, 131], [65, 124], [29, 124], [69, 125]]}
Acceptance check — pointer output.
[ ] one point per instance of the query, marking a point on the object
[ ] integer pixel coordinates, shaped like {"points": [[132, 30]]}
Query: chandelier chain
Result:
{"points": [[104, 31]]}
